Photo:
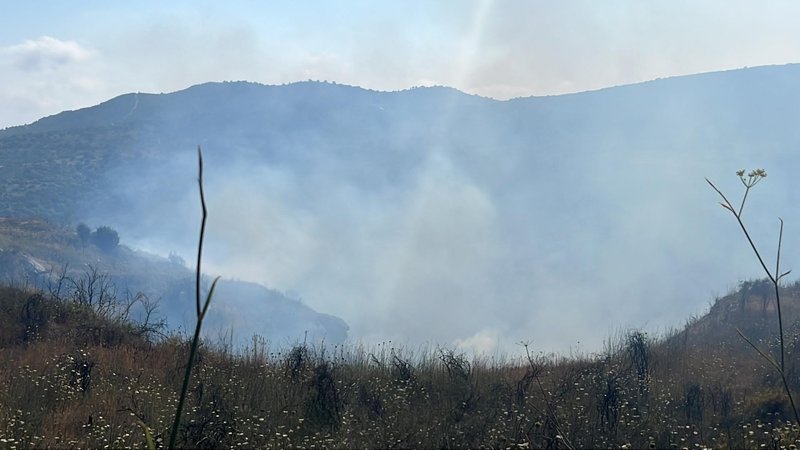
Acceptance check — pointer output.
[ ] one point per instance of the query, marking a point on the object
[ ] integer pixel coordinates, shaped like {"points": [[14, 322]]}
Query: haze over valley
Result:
{"points": [[433, 216]]}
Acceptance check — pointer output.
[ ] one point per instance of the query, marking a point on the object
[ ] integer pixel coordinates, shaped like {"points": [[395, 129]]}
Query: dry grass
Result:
{"points": [[71, 385]]}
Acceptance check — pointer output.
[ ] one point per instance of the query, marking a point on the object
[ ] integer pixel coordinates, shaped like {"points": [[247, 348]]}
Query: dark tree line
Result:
{"points": [[104, 237]]}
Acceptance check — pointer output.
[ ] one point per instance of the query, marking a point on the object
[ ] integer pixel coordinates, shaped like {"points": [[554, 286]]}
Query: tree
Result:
{"points": [[84, 233], [105, 238], [175, 258]]}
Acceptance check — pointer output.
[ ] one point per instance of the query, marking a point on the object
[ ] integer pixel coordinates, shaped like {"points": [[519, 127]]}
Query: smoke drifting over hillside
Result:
{"points": [[432, 216]]}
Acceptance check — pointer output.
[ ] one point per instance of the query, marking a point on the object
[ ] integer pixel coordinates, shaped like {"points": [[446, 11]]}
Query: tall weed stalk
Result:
{"points": [[201, 311], [775, 277]]}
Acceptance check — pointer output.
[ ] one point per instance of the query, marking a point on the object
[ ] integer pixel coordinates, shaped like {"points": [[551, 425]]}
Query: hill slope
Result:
{"points": [[54, 259], [429, 212]]}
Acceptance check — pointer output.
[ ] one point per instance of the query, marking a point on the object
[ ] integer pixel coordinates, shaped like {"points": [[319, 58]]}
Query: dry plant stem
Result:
{"points": [[148, 435], [775, 279], [201, 313], [552, 413], [778, 369], [778, 295], [202, 227], [550, 410]]}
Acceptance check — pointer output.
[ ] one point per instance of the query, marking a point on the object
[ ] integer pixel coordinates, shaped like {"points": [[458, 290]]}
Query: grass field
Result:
{"points": [[73, 378]]}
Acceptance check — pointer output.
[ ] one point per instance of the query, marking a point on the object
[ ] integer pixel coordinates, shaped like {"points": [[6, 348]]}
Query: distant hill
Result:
{"points": [[52, 258], [61, 166], [403, 211], [751, 308]]}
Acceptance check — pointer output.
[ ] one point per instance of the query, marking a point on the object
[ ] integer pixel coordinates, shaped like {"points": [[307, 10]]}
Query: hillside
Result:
{"points": [[36, 254], [403, 212], [70, 154]]}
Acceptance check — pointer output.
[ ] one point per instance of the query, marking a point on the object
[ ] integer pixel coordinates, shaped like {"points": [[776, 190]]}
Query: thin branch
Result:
{"points": [[727, 204], [744, 198], [551, 411], [778, 294], [769, 358], [778, 257], [744, 229], [778, 369], [202, 227], [201, 312]]}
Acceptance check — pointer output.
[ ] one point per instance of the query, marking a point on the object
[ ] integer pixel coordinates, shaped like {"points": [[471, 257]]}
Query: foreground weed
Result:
{"points": [[751, 180], [201, 312]]}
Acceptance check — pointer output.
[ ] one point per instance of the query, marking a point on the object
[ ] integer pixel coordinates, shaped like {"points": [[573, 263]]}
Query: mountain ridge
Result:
{"points": [[133, 96]]}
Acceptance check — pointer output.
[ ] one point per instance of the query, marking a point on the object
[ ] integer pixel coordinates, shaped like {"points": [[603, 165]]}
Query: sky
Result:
{"points": [[55, 56]]}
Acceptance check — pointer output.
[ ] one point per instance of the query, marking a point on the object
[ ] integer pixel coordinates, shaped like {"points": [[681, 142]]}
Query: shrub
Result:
{"points": [[84, 233], [105, 238]]}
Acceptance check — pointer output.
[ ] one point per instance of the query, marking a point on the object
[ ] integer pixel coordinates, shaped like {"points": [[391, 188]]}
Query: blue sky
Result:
{"points": [[56, 56]]}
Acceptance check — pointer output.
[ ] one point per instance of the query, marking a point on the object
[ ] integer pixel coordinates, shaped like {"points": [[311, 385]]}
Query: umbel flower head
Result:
{"points": [[753, 177]]}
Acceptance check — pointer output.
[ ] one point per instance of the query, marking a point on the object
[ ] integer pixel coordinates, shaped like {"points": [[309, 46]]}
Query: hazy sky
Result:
{"points": [[56, 56]]}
